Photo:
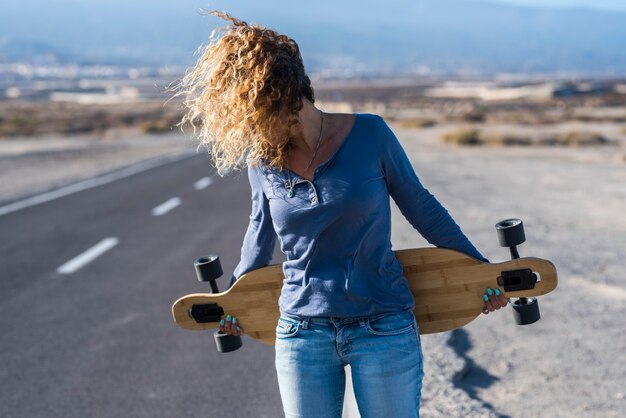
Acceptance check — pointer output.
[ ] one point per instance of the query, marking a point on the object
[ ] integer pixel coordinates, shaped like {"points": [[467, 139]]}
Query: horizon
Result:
{"points": [[477, 36]]}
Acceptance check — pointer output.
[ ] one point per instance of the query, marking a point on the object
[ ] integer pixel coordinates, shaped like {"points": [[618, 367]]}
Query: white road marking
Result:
{"points": [[94, 182], [88, 256], [166, 206], [203, 183]]}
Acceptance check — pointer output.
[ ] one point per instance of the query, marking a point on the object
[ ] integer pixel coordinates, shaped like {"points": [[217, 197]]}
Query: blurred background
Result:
{"points": [[507, 108]]}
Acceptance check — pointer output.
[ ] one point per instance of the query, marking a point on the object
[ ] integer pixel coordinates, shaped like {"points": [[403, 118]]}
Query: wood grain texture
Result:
{"points": [[447, 286]]}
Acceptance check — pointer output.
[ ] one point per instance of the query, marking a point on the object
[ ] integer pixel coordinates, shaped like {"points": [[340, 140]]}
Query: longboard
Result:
{"points": [[447, 286]]}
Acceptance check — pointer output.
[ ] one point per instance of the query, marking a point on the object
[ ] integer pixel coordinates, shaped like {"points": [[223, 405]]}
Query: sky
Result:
{"points": [[400, 35], [592, 4]]}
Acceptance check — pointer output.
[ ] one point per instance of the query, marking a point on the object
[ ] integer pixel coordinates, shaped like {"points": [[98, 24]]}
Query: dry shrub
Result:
{"points": [[463, 137], [576, 138], [475, 137], [474, 115], [594, 118], [158, 126], [568, 139], [33, 118], [506, 140], [412, 123]]}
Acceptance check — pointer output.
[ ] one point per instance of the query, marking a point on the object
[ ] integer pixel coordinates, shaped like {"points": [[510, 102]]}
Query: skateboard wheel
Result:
{"points": [[208, 269], [510, 232], [226, 343], [525, 313]]}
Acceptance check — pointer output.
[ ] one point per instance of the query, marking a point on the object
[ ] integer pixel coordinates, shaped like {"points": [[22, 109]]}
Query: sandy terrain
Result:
{"points": [[572, 201]]}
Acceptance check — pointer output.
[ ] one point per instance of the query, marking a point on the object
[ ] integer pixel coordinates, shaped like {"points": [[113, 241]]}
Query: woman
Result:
{"points": [[320, 182]]}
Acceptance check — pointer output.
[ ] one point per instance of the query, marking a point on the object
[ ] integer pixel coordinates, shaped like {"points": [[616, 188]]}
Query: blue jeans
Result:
{"points": [[384, 353]]}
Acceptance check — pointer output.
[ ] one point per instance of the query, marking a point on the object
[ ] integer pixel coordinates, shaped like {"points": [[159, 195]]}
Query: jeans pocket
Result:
{"points": [[287, 327], [392, 324]]}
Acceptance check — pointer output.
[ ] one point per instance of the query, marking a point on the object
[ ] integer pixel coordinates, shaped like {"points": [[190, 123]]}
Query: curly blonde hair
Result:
{"points": [[245, 92]]}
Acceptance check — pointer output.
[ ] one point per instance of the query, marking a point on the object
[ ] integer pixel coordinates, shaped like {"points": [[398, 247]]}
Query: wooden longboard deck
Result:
{"points": [[447, 286]]}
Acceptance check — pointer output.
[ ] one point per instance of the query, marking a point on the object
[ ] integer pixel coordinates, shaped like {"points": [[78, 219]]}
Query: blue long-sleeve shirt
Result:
{"points": [[336, 229]]}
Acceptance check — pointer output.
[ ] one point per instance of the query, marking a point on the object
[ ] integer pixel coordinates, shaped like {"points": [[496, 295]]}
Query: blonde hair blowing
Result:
{"points": [[244, 93]]}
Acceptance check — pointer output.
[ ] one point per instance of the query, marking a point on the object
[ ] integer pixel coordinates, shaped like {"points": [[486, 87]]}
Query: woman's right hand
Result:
{"points": [[230, 326]]}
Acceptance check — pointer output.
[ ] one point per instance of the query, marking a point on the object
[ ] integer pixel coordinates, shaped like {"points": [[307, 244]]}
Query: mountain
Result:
{"points": [[445, 36], [38, 51]]}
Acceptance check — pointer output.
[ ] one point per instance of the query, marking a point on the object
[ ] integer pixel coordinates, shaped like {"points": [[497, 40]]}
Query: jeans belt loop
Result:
{"points": [[361, 322], [305, 323]]}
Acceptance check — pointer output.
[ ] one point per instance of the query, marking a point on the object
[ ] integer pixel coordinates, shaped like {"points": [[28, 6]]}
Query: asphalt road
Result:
{"points": [[100, 341]]}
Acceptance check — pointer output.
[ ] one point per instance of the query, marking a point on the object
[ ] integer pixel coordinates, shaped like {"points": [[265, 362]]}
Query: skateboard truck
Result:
{"points": [[525, 310], [209, 269]]}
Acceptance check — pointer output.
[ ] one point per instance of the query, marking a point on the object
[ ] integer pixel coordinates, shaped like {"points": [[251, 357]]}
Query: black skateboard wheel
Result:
{"points": [[208, 269], [525, 313], [510, 232], [226, 343]]}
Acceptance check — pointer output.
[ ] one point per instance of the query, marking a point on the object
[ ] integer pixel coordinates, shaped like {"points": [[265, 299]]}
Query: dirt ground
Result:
{"points": [[572, 202]]}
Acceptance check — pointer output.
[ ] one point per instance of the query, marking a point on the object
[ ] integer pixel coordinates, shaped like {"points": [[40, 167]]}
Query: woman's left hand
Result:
{"points": [[493, 299]]}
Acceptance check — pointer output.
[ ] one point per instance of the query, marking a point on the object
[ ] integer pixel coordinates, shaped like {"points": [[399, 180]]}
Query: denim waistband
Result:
{"points": [[305, 321]]}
